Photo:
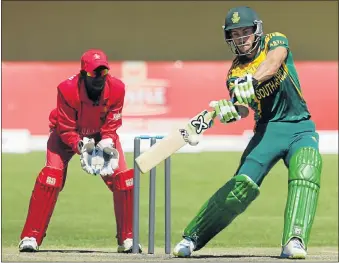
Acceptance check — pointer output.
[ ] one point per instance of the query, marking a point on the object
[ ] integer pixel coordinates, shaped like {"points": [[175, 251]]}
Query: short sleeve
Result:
{"points": [[277, 40]]}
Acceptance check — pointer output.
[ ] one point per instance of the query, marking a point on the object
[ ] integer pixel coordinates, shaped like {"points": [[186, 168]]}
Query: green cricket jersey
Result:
{"points": [[279, 98]]}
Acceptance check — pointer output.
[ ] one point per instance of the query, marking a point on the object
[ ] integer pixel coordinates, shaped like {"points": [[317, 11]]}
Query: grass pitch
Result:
{"points": [[84, 216]]}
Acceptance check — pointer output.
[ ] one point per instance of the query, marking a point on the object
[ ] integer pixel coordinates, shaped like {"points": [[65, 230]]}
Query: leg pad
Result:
{"points": [[303, 192], [44, 196], [123, 204], [219, 211]]}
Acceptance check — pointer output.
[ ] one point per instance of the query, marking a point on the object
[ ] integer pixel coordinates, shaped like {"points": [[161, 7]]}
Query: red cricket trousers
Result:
{"points": [[51, 181]]}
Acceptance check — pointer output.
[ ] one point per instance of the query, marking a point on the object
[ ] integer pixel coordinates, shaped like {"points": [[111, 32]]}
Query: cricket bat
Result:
{"points": [[179, 137]]}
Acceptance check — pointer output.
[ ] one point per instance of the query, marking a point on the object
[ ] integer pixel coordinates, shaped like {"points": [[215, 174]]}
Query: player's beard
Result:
{"points": [[94, 87]]}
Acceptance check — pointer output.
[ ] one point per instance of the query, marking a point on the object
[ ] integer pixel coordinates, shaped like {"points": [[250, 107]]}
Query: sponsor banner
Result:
{"points": [[20, 141], [157, 93]]}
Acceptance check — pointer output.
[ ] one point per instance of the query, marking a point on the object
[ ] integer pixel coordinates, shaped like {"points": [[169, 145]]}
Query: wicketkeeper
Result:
{"points": [[263, 76], [85, 122]]}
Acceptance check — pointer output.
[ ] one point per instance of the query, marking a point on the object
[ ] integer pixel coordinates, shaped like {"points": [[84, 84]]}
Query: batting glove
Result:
{"points": [[225, 111], [244, 89]]}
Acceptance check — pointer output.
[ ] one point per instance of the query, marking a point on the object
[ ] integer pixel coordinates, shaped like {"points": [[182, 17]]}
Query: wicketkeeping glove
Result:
{"points": [[244, 89], [225, 111], [86, 148], [105, 148]]}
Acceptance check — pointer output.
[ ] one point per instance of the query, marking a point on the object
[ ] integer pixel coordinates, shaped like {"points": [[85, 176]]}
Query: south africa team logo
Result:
{"points": [[235, 18]]}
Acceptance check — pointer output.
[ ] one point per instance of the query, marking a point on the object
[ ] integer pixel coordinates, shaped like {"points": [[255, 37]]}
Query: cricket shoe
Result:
{"points": [[28, 244], [294, 250], [127, 246], [184, 248]]}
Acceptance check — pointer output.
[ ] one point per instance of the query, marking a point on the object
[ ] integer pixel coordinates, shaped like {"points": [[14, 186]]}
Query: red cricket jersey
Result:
{"points": [[76, 116]]}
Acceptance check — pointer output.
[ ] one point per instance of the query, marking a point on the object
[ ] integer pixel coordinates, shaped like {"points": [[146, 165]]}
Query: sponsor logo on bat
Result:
{"points": [[199, 124], [184, 134]]}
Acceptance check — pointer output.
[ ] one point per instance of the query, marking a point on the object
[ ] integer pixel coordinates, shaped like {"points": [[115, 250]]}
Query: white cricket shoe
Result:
{"points": [[294, 249], [184, 248], [28, 244], [127, 246]]}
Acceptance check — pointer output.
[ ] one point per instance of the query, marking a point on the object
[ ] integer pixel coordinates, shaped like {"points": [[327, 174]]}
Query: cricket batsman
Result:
{"points": [[264, 77], [85, 122]]}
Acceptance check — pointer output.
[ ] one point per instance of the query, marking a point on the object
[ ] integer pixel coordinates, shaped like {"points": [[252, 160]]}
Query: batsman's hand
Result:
{"points": [[86, 148], [243, 89], [105, 148], [225, 111]]}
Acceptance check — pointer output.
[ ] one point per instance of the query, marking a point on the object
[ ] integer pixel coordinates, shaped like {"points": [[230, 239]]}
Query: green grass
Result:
{"points": [[84, 216]]}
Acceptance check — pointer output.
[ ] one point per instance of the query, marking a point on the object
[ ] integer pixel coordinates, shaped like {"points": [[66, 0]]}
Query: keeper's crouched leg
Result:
{"points": [[44, 197], [219, 211], [303, 190], [121, 184]]}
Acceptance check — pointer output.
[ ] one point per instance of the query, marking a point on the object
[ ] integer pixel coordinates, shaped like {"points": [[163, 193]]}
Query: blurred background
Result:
{"points": [[174, 60], [171, 55], [157, 30]]}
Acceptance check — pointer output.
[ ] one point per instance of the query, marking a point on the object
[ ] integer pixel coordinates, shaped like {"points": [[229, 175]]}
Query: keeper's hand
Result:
{"points": [[243, 89], [86, 148], [110, 155]]}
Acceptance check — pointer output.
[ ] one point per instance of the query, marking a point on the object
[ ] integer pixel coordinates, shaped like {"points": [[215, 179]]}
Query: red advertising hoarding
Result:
{"points": [[155, 92]]}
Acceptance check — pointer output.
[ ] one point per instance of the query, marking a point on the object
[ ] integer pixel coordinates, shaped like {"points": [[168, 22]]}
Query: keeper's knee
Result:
{"points": [[122, 181], [51, 177], [306, 165]]}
